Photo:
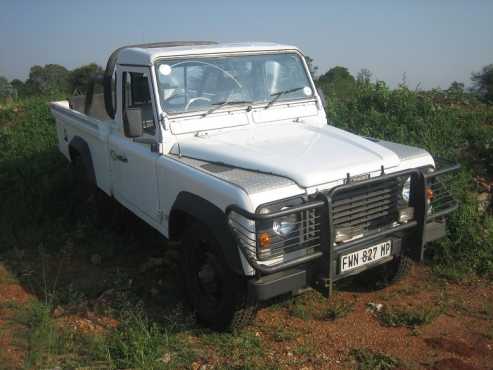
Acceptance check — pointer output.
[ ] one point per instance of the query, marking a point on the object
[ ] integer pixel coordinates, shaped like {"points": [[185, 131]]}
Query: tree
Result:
{"points": [[311, 67], [483, 82], [364, 76], [19, 87], [456, 87], [337, 81], [80, 77], [6, 90], [48, 79], [336, 74], [17, 84]]}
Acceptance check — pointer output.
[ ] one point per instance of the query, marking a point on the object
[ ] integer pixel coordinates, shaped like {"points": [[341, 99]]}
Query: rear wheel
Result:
{"points": [[87, 192], [81, 181], [218, 296]]}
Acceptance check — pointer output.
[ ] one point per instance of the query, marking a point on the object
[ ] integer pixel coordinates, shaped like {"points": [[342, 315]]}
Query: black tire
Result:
{"points": [[218, 296], [388, 273], [80, 177], [87, 193]]}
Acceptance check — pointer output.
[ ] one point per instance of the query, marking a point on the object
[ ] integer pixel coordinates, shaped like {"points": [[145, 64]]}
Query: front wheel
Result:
{"points": [[388, 273], [218, 296]]}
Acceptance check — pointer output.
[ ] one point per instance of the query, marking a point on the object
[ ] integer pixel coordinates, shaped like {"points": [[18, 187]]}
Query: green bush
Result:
{"points": [[452, 126]]}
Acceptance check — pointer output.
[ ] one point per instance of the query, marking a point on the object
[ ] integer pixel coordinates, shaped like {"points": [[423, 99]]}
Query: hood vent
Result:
{"points": [[215, 168]]}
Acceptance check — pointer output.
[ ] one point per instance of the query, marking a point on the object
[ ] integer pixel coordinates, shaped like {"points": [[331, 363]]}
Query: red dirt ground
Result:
{"points": [[460, 337]]}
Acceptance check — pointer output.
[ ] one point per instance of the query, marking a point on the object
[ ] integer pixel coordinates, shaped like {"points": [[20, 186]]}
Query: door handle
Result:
{"points": [[118, 157]]}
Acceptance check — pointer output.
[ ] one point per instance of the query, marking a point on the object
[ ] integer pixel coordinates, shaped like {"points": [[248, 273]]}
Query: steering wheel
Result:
{"points": [[193, 100]]}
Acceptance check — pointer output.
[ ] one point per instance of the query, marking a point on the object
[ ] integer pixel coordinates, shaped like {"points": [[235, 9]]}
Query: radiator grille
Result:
{"points": [[367, 207]]}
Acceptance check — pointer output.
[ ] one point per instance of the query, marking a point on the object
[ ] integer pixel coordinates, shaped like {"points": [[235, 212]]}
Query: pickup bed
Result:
{"points": [[226, 148]]}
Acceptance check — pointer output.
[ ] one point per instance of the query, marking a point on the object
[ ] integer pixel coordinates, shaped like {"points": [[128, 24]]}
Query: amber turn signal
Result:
{"points": [[264, 240], [429, 193]]}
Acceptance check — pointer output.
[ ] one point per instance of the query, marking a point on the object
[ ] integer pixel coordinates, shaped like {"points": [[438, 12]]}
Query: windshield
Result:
{"points": [[210, 83]]}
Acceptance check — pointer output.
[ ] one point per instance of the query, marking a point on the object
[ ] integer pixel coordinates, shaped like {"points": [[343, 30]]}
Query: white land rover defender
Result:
{"points": [[226, 148]]}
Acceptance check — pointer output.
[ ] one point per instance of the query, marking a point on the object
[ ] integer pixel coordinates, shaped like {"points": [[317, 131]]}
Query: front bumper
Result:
{"points": [[320, 267], [296, 279]]}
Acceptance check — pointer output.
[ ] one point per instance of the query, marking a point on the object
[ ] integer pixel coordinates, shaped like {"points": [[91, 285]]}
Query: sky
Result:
{"points": [[432, 42]]}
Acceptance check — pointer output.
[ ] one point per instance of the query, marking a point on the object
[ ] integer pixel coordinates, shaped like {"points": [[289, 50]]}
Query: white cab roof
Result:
{"points": [[147, 56]]}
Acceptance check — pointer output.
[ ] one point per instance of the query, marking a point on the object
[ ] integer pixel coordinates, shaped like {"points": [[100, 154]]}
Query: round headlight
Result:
{"points": [[406, 189], [285, 225]]}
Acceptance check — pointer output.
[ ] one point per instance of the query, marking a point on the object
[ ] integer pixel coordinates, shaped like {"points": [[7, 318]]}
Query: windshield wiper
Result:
{"points": [[221, 104], [277, 95]]}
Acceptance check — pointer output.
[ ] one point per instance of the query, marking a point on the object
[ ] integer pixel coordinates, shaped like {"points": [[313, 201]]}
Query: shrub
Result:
{"points": [[410, 317], [456, 127]]}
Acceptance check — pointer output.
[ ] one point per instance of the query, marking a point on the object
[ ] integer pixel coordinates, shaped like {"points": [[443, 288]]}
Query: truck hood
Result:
{"points": [[306, 154]]}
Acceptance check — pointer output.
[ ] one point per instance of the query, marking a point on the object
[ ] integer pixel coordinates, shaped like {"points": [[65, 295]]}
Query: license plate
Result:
{"points": [[366, 256]]}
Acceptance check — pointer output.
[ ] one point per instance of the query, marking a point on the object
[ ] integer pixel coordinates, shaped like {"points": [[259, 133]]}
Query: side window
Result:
{"points": [[136, 94]]}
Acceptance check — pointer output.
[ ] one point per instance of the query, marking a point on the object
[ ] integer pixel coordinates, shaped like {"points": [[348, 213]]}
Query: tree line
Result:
{"points": [[54, 78], [49, 79], [339, 81]]}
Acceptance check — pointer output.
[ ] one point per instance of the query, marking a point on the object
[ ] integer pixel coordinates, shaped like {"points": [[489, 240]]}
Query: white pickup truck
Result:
{"points": [[227, 149]]}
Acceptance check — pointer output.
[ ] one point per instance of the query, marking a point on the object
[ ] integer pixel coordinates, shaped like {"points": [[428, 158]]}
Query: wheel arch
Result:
{"points": [[78, 148], [189, 208]]}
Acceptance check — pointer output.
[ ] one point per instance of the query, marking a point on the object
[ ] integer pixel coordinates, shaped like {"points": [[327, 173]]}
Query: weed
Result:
{"points": [[370, 360], [300, 311], [239, 350], [48, 345], [487, 310], [140, 343], [237, 346], [10, 304], [306, 349], [282, 334], [410, 317], [304, 306], [489, 333], [451, 272], [337, 310], [135, 343]]}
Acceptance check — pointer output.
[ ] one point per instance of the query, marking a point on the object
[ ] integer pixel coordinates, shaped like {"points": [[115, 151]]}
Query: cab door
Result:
{"points": [[133, 160]]}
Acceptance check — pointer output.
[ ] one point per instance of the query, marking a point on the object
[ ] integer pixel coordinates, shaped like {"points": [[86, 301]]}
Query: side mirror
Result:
{"points": [[132, 122], [322, 97]]}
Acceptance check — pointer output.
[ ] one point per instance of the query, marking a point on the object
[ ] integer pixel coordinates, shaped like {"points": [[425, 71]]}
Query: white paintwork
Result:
{"points": [[147, 56], [290, 139], [134, 182], [308, 155]]}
